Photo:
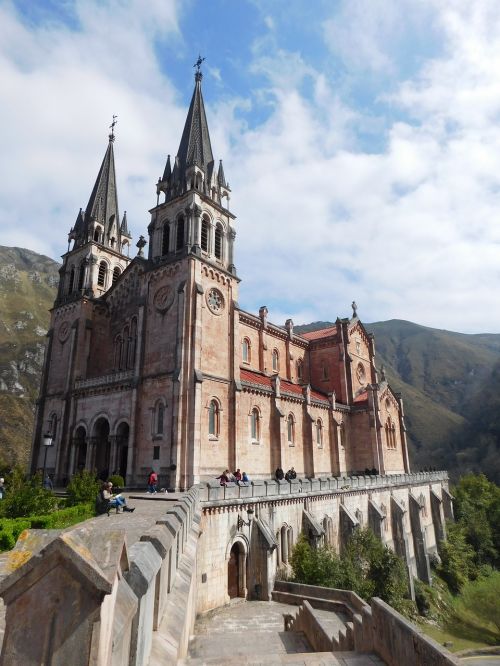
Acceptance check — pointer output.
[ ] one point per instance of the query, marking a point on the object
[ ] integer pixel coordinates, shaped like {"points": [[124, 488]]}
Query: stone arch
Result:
{"points": [[122, 433], [79, 441], [236, 562], [101, 445]]}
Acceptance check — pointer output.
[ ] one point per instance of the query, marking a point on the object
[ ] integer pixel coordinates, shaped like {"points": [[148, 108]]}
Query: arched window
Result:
{"points": [[342, 435], [319, 433], [300, 370], [325, 372], [117, 351], [214, 418], [125, 348], [255, 425], [218, 242], [97, 234], [390, 433], [101, 276], [291, 429], [71, 280], [165, 239], [179, 243], [81, 276], [116, 274], [205, 232], [276, 360], [245, 350], [133, 343]]}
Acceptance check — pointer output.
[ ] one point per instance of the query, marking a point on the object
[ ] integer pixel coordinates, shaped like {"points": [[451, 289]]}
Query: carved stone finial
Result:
{"points": [[141, 243], [354, 309]]}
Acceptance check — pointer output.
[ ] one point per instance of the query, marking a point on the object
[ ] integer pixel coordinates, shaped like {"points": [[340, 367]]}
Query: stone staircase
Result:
{"points": [[297, 659]]}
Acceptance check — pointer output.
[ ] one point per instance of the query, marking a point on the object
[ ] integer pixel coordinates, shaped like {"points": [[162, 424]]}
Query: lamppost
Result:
{"points": [[242, 522], [47, 442]]}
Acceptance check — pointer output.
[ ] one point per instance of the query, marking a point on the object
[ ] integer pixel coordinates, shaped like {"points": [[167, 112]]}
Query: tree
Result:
{"points": [[457, 558]]}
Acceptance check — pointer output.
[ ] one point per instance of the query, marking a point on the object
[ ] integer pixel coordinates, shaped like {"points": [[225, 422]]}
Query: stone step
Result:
{"points": [[294, 659]]}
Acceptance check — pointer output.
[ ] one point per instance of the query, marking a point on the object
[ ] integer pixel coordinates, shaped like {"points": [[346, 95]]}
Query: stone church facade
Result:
{"points": [[152, 364]]}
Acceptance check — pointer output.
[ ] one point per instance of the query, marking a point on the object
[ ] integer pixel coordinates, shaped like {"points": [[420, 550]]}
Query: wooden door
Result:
{"points": [[233, 573]]}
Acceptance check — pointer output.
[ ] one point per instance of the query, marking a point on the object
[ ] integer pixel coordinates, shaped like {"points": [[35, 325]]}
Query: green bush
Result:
{"points": [[117, 481], [82, 488], [26, 497], [480, 597], [457, 558]]}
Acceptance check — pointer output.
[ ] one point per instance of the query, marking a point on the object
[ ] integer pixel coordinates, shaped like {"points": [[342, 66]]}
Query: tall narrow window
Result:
{"points": [[53, 426], [180, 234], [118, 346], [160, 416], [205, 228], [325, 372], [246, 350], [101, 276], [97, 234], [291, 429], [218, 242], [213, 418], [81, 276], [255, 424], [165, 239], [71, 281], [342, 435], [116, 274], [276, 360], [133, 343], [319, 433], [300, 370]]}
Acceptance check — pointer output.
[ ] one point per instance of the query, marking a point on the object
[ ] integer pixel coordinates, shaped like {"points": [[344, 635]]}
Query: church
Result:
{"points": [[152, 364]]}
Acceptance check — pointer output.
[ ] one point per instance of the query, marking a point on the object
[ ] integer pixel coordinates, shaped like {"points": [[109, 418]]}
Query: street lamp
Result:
{"points": [[47, 442], [242, 522]]}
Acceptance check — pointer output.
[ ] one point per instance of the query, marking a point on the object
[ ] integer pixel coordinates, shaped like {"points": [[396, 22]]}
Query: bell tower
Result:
{"points": [[194, 216], [98, 243]]}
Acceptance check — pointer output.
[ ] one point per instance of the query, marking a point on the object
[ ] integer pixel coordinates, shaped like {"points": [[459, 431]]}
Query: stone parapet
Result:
{"points": [[104, 380], [212, 493]]}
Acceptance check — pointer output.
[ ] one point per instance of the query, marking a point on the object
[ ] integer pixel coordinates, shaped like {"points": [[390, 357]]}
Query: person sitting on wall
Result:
{"points": [[245, 478], [279, 474], [114, 501], [237, 475], [291, 474], [224, 477], [152, 481]]}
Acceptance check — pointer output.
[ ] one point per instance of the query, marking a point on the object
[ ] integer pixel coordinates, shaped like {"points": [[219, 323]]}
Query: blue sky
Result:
{"points": [[360, 137]]}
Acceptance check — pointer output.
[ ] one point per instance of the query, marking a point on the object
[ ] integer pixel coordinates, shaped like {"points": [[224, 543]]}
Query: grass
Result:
{"points": [[454, 633]]}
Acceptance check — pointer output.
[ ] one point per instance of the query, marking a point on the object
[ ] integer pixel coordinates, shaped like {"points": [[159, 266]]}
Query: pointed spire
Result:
{"points": [[168, 170], [195, 146], [221, 179], [124, 226], [103, 202]]}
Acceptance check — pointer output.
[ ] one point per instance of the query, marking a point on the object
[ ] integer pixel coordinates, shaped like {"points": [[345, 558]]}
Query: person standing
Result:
{"points": [[2, 488], [152, 481]]}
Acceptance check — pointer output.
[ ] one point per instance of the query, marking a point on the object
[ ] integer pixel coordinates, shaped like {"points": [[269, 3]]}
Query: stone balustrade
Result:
{"points": [[81, 596], [104, 380], [212, 492]]}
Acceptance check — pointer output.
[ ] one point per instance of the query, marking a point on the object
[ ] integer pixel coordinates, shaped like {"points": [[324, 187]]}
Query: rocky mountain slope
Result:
{"points": [[28, 283], [450, 381]]}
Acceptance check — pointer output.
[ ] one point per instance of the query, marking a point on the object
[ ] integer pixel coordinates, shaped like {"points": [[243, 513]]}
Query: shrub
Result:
{"points": [[117, 481], [26, 497], [457, 558], [82, 488]]}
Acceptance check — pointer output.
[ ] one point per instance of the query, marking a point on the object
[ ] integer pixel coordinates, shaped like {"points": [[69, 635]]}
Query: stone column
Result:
{"points": [[196, 229], [231, 236]]}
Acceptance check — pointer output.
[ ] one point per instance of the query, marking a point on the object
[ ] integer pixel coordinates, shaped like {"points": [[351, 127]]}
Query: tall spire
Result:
{"points": [[195, 147], [103, 203]]}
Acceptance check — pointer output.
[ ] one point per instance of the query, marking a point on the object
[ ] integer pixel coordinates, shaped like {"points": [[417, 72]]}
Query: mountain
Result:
{"points": [[450, 382], [443, 377], [28, 285]]}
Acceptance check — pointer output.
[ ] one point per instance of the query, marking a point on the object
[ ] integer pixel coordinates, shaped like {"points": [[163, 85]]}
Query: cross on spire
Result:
{"points": [[112, 128], [198, 74]]}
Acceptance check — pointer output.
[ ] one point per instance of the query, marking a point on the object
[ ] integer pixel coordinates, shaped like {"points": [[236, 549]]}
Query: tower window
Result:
{"points": [[116, 274], [180, 234], [97, 234], [160, 415], [101, 277], [300, 370], [276, 360], [214, 418], [165, 239], [81, 276], [255, 425], [291, 429], [205, 227], [71, 281], [218, 242], [319, 433], [245, 353]]}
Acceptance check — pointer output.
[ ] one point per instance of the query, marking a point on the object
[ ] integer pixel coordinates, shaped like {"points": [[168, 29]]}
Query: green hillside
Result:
{"points": [[28, 283]]}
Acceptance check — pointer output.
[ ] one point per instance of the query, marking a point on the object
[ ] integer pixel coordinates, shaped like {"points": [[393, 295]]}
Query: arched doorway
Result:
{"points": [[80, 445], [236, 571], [122, 434], [100, 440]]}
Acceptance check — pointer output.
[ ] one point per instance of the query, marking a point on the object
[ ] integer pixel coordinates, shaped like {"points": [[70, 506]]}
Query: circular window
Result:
{"points": [[163, 298], [215, 301], [360, 373], [64, 331]]}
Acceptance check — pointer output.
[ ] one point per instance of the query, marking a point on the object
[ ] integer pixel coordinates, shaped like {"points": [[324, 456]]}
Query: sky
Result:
{"points": [[360, 138]]}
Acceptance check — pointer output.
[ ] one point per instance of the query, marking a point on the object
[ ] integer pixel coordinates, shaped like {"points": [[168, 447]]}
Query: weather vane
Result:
{"points": [[112, 126], [198, 63]]}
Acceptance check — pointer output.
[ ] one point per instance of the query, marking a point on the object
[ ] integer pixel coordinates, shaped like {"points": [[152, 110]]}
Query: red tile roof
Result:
{"points": [[287, 387], [362, 397], [322, 333]]}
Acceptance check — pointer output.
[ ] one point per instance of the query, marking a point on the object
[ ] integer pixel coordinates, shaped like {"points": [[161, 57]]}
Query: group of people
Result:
{"points": [[232, 477], [279, 475]]}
